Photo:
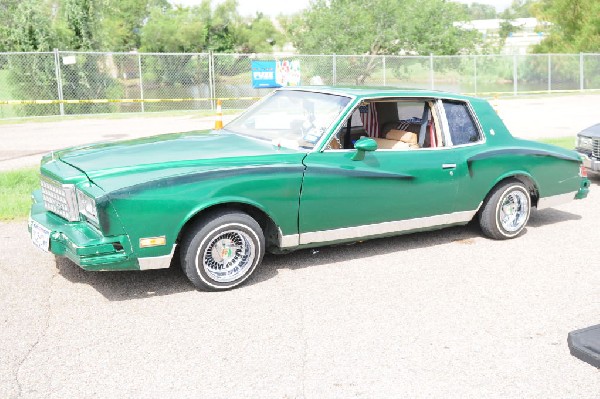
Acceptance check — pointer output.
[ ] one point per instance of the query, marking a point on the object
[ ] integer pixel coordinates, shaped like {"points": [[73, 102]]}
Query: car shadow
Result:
{"points": [[127, 285], [130, 285], [550, 216], [594, 179]]}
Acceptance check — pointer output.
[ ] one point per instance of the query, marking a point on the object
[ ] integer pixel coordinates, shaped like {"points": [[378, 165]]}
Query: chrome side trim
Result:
{"points": [[157, 262], [386, 227], [288, 241], [554, 200]]}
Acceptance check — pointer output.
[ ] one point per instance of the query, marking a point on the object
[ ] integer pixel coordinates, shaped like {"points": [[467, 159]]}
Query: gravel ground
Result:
{"points": [[440, 314]]}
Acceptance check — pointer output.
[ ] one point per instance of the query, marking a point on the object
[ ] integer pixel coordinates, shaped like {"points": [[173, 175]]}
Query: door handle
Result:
{"points": [[448, 166]]}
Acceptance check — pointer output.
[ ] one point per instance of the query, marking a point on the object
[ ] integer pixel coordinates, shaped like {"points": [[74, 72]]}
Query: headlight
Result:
{"points": [[87, 207], [584, 142]]}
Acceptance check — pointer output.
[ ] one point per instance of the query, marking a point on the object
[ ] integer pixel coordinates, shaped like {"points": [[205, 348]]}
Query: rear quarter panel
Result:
{"points": [[553, 170]]}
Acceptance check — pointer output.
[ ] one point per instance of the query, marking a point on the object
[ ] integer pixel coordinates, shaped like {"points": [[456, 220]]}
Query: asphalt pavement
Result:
{"points": [[440, 314], [443, 314]]}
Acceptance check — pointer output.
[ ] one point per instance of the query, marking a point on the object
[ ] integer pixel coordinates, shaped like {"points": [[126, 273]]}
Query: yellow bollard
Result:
{"points": [[219, 121]]}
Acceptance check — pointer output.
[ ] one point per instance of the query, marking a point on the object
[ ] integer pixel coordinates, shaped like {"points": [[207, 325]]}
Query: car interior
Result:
{"points": [[395, 124]]}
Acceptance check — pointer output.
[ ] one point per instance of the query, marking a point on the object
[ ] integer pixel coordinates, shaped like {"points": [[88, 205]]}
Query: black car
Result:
{"points": [[588, 145]]}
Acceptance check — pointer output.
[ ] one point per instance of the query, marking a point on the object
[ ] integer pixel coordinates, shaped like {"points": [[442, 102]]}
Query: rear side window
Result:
{"points": [[463, 129]]}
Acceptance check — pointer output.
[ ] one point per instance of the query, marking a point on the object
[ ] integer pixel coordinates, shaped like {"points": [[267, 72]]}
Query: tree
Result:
{"points": [[381, 27], [522, 8], [31, 28], [375, 27], [481, 11], [258, 35], [123, 20], [575, 25]]}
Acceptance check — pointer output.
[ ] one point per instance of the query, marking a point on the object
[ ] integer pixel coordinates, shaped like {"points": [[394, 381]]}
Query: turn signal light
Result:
{"points": [[152, 242]]}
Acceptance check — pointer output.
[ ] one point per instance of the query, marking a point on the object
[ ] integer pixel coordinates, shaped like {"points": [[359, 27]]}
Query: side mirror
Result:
{"points": [[362, 145]]}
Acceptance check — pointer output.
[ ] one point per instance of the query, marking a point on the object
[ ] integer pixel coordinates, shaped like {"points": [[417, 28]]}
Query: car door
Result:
{"points": [[386, 192]]}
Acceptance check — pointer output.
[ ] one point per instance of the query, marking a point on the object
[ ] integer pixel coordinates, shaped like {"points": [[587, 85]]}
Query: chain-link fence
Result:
{"points": [[71, 83]]}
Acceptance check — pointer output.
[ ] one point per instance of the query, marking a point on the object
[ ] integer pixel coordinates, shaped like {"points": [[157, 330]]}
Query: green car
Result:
{"points": [[304, 167]]}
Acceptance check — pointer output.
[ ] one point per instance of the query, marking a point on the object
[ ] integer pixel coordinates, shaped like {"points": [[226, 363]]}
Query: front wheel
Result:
{"points": [[505, 211], [221, 251]]}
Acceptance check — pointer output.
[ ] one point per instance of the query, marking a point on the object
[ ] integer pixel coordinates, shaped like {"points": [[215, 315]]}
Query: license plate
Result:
{"points": [[40, 236]]}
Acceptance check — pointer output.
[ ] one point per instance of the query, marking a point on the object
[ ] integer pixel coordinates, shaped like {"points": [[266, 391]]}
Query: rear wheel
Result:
{"points": [[506, 211], [222, 250]]}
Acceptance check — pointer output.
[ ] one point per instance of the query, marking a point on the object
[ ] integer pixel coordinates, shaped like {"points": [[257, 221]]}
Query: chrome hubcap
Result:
{"points": [[514, 211], [228, 256]]}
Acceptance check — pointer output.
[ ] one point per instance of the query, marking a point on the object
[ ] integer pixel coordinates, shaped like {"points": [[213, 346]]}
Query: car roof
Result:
{"points": [[593, 130], [381, 91]]}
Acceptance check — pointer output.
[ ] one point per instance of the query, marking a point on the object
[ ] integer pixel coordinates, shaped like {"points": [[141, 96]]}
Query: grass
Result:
{"points": [[567, 142], [15, 192]]}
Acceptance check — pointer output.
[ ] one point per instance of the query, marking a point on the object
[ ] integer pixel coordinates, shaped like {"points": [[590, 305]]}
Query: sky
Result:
{"points": [[274, 8]]}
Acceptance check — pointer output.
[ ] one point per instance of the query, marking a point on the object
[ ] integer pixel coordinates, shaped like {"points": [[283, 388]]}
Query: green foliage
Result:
{"points": [[480, 11], [575, 25], [201, 29], [382, 27], [32, 77], [32, 28], [258, 35], [15, 192], [522, 8], [181, 30], [375, 27]]}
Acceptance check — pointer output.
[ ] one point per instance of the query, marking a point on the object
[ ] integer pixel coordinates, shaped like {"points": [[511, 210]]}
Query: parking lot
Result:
{"points": [[444, 314], [437, 314]]}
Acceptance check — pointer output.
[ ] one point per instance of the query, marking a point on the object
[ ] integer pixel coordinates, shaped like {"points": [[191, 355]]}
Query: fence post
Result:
{"points": [[549, 73], [515, 76], [475, 72], [59, 81], [581, 84], [384, 77], [141, 81], [431, 71], [211, 77], [334, 70]]}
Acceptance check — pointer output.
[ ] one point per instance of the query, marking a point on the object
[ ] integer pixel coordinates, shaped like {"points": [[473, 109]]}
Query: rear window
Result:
{"points": [[463, 129]]}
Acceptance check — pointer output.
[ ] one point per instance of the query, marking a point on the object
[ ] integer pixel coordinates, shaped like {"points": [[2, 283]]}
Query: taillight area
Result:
{"points": [[582, 171]]}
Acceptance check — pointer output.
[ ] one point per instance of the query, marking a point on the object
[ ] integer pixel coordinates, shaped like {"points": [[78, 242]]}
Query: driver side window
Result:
{"points": [[395, 124]]}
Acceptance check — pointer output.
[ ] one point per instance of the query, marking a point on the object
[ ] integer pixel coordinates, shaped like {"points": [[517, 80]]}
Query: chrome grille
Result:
{"points": [[60, 199], [596, 148]]}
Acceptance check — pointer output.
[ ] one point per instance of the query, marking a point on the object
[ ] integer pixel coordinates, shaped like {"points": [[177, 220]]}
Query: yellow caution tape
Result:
{"points": [[176, 100], [123, 100]]}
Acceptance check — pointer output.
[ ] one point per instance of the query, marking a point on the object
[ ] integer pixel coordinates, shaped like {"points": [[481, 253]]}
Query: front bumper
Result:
{"points": [[82, 243], [584, 189], [591, 164]]}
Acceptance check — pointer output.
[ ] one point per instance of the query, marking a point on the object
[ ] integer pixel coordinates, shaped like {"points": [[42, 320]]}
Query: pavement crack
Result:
{"points": [[40, 337]]}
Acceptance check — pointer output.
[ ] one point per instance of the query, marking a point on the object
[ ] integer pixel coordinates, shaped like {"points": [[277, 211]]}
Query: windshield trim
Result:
{"points": [[322, 139]]}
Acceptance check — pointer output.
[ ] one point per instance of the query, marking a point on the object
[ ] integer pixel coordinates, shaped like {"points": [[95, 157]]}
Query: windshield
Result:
{"points": [[295, 119]]}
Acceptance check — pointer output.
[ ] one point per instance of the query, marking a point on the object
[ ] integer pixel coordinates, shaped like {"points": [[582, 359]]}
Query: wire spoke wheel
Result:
{"points": [[222, 249], [228, 256], [514, 211], [506, 210]]}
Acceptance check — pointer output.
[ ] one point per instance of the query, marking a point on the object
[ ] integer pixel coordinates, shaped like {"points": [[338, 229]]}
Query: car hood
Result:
{"points": [[110, 164], [592, 131]]}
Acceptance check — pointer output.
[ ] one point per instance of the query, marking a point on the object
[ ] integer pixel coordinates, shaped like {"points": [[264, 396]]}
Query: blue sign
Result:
{"points": [[263, 74]]}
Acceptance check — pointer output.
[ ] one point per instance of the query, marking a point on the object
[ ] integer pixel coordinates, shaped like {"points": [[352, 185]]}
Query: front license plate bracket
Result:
{"points": [[40, 236]]}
